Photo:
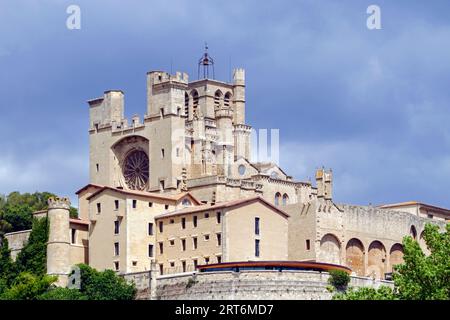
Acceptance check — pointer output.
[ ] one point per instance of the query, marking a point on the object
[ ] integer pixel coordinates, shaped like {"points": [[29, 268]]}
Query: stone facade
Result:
{"points": [[190, 155], [254, 285]]}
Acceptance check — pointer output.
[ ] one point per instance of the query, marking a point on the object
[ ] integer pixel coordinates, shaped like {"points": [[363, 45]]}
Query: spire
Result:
{"points": [[205, 63]]}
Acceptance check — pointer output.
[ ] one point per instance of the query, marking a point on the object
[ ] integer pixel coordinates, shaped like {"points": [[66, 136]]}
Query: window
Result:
{"points": [[183, 223], [74, 236], [277, 198], [241, 170], [226, 99], [219, 259], [186, 104], [161, 185], [172, 242], [183, 265], [206, 260], [285, 199], [99, 207], [172, 264], [177, 152], [166, 207], [116, 248], [172, 221], [116, 204], [429, 216], [194, 242], [161, 248], [195, 261], [134, 204], [97, 167], [308, 244], [161, 226], [150, 229], [206, 237], [150, 250], [161, 269], [150, 204], [161, 112], [116, 265], [219, 239], [162, 153], [134, 263], [186, 202], [183, 244], [206, 215], [218, 217], [194, 221], [116, 227], [257, 226], [257, 248]]}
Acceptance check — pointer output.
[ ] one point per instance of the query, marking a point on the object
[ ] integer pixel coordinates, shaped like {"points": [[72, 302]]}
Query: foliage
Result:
{"points": [[423, 277], [28, 287], [73, 212], [339, 279], [104, 285], [367, 293], [7, 270], [16, 210], [33, 257], [419, 277], [62, 294]]}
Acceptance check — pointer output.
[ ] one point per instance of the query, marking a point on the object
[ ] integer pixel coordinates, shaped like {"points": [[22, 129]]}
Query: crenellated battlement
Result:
{"points": [[58, 203]]}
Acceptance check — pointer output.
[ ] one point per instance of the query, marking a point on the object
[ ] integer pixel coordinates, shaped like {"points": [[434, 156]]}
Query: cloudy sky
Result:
{"points": [[373, 105]]}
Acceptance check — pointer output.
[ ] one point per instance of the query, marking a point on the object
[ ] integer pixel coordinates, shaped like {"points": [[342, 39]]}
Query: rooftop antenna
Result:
{"points": [[205, 63], [229, 68]]}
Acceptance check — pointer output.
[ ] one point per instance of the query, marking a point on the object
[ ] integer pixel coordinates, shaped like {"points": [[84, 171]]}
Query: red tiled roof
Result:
{"points": [[413, 203], [174, 198], [87, 186], [222, 205], [79, 221]]}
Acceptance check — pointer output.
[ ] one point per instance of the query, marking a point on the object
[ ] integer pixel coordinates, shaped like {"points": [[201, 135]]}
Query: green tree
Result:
{"points": [[19, 216], [423, 277], [62, 294], [28, 287], [104, 285], [33, 257], [420, 276], [339, 279], [7, 270], [367, 293]]}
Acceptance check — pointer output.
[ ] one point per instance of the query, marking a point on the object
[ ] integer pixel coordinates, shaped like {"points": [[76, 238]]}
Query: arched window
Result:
{"points": [[413, 232], [217, 97], [277, 198], [226, 99], [285, 199], [194, 103], [186, 104]]}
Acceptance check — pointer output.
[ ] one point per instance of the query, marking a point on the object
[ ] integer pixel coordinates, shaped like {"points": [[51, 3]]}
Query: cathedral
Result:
{"points": [[177, 189]]}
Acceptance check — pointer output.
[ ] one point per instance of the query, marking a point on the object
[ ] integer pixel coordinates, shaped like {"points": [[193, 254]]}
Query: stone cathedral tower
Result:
{"points": [[191, 130]]}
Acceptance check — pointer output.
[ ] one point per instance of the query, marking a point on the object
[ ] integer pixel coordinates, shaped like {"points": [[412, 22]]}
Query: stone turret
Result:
{"points": [[239, 95], [58, 246], [324, 181], [225, 143]]}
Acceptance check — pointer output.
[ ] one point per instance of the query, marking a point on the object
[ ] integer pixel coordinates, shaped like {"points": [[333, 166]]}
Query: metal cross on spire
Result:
{"points": [[205, 63]]}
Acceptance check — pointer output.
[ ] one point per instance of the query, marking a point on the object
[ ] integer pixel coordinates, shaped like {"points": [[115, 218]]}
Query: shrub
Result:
{"points": [[339, 279]]}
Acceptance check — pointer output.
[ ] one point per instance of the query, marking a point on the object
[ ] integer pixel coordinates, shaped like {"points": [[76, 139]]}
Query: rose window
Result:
{"points": [[136, 170]]}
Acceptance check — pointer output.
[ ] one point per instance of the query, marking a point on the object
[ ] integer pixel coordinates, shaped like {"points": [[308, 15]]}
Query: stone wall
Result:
{"points": [[142, 281], [257, 285], [16, 241]]}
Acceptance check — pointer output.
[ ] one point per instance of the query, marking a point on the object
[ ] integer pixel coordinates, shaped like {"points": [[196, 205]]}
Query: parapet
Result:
{"points": [[58, 203], [162, 77], [239, 76]]}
